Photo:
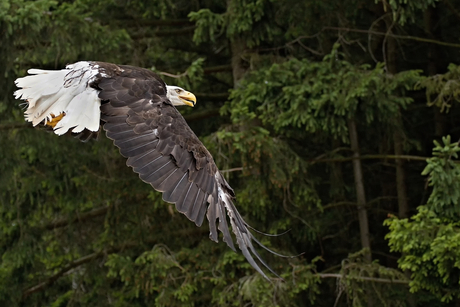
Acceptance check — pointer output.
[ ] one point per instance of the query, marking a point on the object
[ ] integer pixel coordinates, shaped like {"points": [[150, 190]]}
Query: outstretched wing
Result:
{"points": [[132, 104], [165, 152]]}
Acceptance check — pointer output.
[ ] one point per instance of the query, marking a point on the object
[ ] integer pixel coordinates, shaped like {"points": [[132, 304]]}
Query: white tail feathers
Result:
{"points": [[50, 93]]}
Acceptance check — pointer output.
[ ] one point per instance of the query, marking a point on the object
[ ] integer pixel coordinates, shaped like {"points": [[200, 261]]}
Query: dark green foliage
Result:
{"points": [[278, 85], [442, 90], [429, 241], [320, 97]]}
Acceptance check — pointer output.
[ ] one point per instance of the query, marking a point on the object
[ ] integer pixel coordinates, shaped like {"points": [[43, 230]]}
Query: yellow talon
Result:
{"points": [[55, 119]]}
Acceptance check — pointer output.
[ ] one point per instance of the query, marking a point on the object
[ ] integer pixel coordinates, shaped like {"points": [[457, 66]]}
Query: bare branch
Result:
{"points": [[88, 258], [213, 96], [416, 38], [219, 68], [151, 22], [236, 169], [298, 40], [174, 32], [61, 272], [202, 115], [452, 8], [206, 70], [79, 218], [172, 75], [371, 157], [14, 126], [364, 278]]}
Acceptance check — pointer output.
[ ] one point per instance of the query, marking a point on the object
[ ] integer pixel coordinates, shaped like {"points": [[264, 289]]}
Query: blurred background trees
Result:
{"points": [[322, 116]]}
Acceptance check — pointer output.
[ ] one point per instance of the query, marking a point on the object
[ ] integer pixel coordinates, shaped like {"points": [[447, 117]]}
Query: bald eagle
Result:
{"points": [[137, 111]]}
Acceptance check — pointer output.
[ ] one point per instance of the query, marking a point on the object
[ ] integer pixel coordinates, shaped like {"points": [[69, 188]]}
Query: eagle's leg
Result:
{"points": [[55, 119]]}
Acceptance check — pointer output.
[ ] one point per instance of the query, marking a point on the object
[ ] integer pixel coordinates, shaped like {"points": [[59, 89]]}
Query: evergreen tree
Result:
{"points": [[316, 111]]}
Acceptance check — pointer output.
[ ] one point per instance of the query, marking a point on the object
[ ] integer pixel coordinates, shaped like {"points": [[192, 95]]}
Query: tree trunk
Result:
{"points": [[430, 18], [403, 205], [398, 135], [398, 139], [360, 193], [238, 65], [336, 177]]}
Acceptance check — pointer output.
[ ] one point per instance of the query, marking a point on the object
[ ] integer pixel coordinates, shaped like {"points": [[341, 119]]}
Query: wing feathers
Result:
{"points": [[160, 172], [180, 205], [151, 167], [175, 190], [165, 146], [243, 235], [165, 153], [223, 227], [187, 205], [116, 128], [148, 130], [195, 206], [134, 151], [143, 160], [182, 196], [202, 202], [167, 175], [119, 134], [135, 145], [212, 218]]}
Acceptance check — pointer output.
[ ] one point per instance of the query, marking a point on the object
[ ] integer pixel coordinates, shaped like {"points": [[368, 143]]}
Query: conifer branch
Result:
{"points": [[88, 258], [67, 268]]}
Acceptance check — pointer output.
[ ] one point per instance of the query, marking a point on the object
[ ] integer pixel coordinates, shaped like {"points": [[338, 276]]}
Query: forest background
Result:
{"points": [[336, 122]]}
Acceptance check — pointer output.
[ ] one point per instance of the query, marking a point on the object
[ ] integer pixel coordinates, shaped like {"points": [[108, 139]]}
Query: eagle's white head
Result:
{"points": [[179, 97]]}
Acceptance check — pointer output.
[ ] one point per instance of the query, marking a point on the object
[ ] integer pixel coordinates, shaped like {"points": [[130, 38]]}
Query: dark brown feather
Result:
{"points": [[165, 152]]}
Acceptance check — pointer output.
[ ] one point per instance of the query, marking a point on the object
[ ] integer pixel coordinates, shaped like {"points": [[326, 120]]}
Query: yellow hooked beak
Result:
{"points": [[188, 99]]}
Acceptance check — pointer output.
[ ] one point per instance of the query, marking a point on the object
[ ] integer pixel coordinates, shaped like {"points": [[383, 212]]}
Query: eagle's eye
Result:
{"points": [[178, 90]]}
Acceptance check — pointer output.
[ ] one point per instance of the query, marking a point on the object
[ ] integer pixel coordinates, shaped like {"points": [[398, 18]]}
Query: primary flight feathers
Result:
{"points": [[136, 109]]}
